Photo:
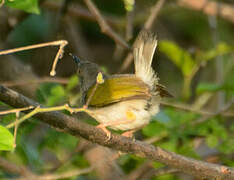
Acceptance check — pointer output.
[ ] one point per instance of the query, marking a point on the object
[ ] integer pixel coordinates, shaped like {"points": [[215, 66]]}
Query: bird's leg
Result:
{"points": [[99, 80], [128, 133], [130, 117]]}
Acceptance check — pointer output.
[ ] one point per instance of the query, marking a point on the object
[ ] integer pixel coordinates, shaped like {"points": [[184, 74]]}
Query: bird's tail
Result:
{"points": [[143, 55]]}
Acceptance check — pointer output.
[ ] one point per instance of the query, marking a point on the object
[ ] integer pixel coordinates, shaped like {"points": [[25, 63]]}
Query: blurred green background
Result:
{"points": [[194, 60]]}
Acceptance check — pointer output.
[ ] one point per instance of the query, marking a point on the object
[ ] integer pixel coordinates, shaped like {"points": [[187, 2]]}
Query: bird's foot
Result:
{"points": [[103, 127]]}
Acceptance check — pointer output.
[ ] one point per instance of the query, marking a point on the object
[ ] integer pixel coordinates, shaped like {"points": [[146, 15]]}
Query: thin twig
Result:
{"points": [[53, 43], [99, 80], [35, 81], [71, 173], [105, 28], [59, 55], [148, 25], [154, 14], [157, 138], [64, 175], [15, 110], [130, 17], [78, 11], [129, 26], [91, 95], [187, 107], [221, 111], [16, 127], [159, 172], [38, 109], [147, 171]]}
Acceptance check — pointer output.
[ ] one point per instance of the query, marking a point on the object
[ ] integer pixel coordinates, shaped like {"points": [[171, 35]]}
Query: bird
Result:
{"points": [[123, 102]]}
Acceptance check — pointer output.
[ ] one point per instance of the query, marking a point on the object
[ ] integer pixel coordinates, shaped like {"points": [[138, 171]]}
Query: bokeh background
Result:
{"points": [[194, 60]]}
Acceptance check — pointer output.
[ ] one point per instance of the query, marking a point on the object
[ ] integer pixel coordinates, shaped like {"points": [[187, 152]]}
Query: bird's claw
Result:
{"points": [[103, 127]]}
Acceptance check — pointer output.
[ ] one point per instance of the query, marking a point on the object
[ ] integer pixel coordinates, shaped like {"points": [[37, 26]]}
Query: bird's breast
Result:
{"points": [[126, 115]]}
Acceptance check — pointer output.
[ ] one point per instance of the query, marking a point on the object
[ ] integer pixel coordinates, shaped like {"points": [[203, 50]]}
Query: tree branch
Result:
{"points": [[77, 11], [76, 128], [105, 28]]}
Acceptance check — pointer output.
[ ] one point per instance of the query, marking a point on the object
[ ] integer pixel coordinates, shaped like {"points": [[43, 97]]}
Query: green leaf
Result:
{"points": [[44, 91], [181, 58], [187, 148], [6, 119], [232, 128], [73, 82], [170, 145], [57, 95], [58, 91], [221, 49], [154, 128], [30, 6], [227, 146], [212, 140], [129, 4], [6, 139], [210, 87], [178, 118]]}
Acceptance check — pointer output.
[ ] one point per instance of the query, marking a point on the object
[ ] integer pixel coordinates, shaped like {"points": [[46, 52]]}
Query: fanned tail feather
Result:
{"points": [[143, 55]]}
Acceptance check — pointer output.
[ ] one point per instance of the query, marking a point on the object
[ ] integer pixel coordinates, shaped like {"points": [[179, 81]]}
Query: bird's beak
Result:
{"points": [[75, 58]]}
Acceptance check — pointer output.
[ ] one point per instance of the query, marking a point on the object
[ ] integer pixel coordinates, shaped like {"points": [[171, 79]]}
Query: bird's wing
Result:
{"points": [[118, 88]]}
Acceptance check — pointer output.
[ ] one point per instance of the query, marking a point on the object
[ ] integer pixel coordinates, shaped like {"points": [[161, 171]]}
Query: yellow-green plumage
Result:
{"points": [[117, 88]]}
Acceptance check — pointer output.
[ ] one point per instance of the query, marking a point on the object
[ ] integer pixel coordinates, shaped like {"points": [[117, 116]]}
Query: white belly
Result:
{"points": [[116, 114]]}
